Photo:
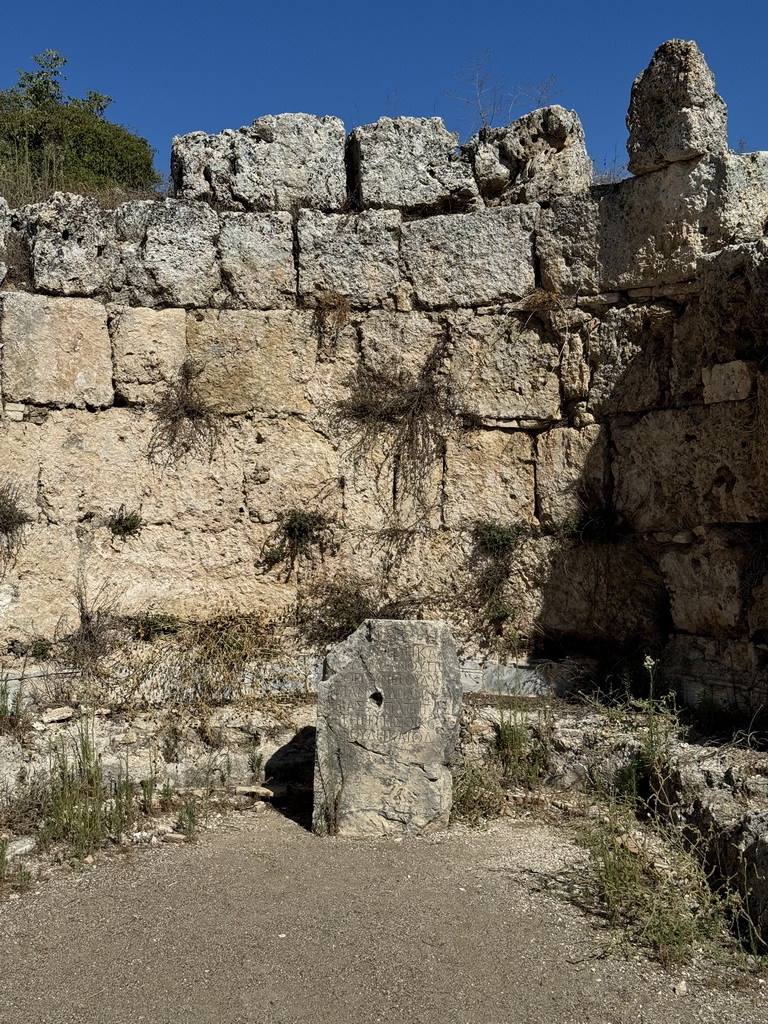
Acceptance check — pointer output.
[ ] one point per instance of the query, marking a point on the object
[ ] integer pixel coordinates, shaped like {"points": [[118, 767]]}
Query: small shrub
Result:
{"points": [[185, 423], [478, 792], [13, 522], [187, 821], [298, 532], [126, 523], [331, 608], [494, 549], [150, 625], [496, 540], [98, 634]]}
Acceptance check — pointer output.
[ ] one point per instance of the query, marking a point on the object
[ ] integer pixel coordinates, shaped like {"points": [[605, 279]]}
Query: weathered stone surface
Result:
{"points": [[148, 347], [674, 112], [652, 230], [168, 254], [705, 583], [256, 251], [289, 465], [533, 160], [691, 466], [571, 475], [352, 255], [277, 163], [73, 245], [626, 353], [411, 163], [55, 351], [469, 260], [585, 589], [399, 340], [387, 726], [504, 367], [728, 671], [489, 476], [727, 382], [732, 312], [252, 360]]}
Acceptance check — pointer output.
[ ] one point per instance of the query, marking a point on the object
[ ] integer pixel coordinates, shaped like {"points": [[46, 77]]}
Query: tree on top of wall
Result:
{"points": [[49, 141]]}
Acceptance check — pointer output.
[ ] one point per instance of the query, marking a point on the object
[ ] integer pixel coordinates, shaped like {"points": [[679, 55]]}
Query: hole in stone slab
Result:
{"points": [[377, 697], [65, 235]]}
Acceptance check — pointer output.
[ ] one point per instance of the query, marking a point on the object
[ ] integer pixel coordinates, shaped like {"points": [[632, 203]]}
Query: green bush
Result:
{"points": [[51, 142]]}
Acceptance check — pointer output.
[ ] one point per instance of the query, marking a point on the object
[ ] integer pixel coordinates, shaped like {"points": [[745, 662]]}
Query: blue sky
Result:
{"points": [[178, 67]]}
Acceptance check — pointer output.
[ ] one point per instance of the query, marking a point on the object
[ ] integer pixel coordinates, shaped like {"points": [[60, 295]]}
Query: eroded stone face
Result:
{"points": [[55, 351], [387, 726], [471, 260], [534, 159], [674, 113], [411, 163], [72, 244], [277, 163]]}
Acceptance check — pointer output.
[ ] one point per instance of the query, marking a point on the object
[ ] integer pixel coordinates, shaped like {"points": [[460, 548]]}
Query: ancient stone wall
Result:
{"points": [[346, 376]]}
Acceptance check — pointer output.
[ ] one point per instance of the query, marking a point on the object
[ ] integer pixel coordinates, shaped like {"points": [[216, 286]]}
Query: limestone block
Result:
{"points": [[732, 671], [353, 255], [588, 589], [289, 465], [253, 360], [387, 727], [256, 251], [470, 260], [55, 351], [504, 367], [674, 112], [732, 315], [571, 474], [40, 587], [639, 232], [705, 583], [726, 382], [91, 464], [489, 475], [148, 346], [411, 163], [691, 466], [652, 230], [390, 341], [73, 245], [276, 164], [535, 159], [170, 255], [626, 353]]}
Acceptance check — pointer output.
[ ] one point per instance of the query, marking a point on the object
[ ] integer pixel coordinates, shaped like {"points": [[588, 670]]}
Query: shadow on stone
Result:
{"points": [[292, 767]]}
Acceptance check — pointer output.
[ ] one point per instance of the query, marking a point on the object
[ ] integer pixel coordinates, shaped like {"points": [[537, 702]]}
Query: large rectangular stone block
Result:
{"points": [[149, 346], [686, 467], [256, 252], [280, 162], [387, 726], [352, 255], [411, 163], [651, 230], [504, 367], [252, 360], [473, 259], [55, 351]]}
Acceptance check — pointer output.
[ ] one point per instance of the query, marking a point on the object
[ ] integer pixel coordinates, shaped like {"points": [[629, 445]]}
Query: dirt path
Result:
{"points": [[262, 922]]}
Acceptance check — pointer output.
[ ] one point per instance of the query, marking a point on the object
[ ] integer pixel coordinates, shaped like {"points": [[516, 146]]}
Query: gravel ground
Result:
{"points": [[262, 922]]}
